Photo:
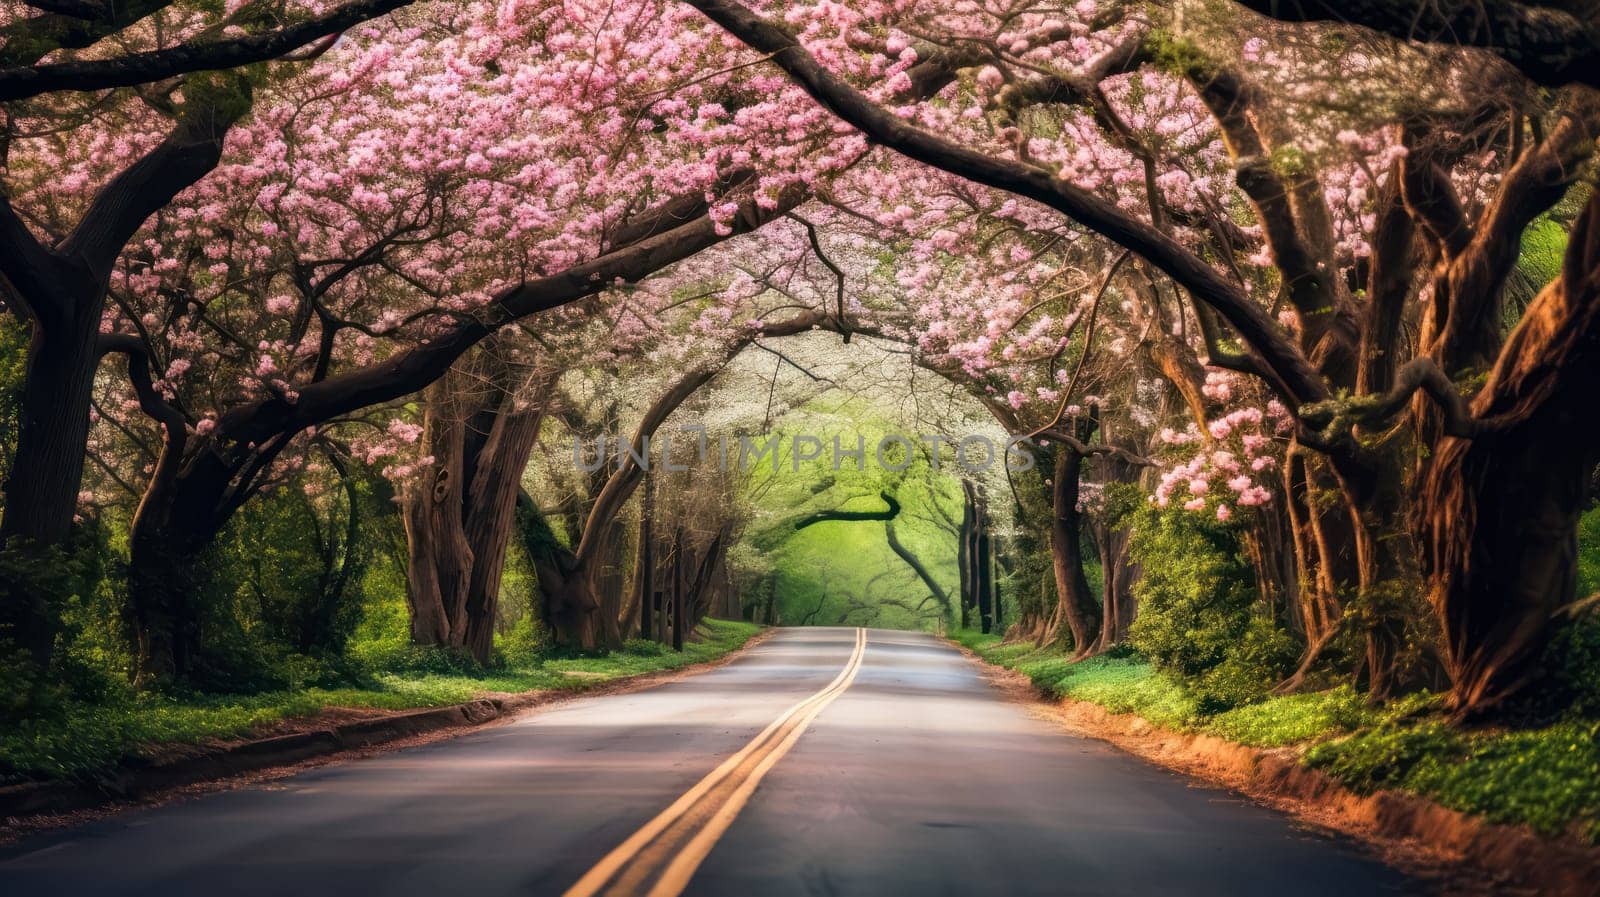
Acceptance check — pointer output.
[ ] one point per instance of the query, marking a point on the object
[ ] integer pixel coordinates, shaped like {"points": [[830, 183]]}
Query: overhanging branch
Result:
{"points": [[1336, 417], [22, 82]]}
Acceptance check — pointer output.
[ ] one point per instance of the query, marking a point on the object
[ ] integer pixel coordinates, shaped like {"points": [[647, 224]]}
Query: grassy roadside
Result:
{"points": [[83, 739], [1547, 778]]}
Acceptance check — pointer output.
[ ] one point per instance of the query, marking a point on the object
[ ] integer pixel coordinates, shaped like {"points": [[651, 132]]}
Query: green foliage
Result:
{"points": [[1571, 665], [1294, 719], [1570, 687], [13, 374], [1589, 552], [1199, 617], [279, 594], [524, 640], [1544, 244], [68, 581], [843, 572], [1291, 161], [1548, 778], [1178, 56]]}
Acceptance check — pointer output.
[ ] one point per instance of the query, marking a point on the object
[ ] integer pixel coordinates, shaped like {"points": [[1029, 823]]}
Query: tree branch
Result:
{"points": [[153, 405], [26, 263], [1550, 44], [888, 514], [406, 372], [20, 83], [190, 151], [1290, 371], [1231, 100], [68, 25], [916, 565], [1336, 417]]}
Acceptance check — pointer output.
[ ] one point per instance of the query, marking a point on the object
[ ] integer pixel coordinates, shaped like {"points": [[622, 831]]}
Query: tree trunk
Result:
{"points": [[963, 553], [611, 585], [678, 596], [461, 512], [1117, 603], [644, 567], [1370, 487], [1323, 541], [984, 570], [967, 552], [1002, 568], [1498, 513], [41, 493], [185, 506], [439, 554], [164, 577], [1074, 606], [491, 513]]}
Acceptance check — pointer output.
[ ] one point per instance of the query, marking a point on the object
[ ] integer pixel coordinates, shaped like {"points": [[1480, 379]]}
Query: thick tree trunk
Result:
{"points": [[460, 513], [1117, 571], [183, 510], [1498, 513], [41, 493], [563, 583], [164, 576], [611, 588], [1118, 607], [47, 469], [491, 514], [1074, 606], [439, 555], [1323, 538], [1371, 490], [1270, 543]]}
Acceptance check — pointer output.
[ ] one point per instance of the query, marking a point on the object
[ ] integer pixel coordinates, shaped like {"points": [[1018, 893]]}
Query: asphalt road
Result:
{"points": [[913, 777]]}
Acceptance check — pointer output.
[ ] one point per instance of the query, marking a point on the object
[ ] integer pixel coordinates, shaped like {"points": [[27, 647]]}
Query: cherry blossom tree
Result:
{"points": [[61, 238]]}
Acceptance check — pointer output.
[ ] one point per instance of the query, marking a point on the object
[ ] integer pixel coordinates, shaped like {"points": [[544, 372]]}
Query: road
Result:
{"points": [[809, 766]]}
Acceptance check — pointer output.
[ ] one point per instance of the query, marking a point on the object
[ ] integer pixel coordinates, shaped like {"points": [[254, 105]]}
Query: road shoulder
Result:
{"points": [[295, 745], [1457, 853]]}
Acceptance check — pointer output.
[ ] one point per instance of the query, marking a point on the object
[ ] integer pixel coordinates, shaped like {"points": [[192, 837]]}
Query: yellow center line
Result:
{"points": [[678, 839]]}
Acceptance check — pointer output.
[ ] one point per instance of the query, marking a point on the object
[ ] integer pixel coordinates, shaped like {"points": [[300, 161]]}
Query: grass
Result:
{"points": [[81, 740], [1120, 684], [1547, 778]]}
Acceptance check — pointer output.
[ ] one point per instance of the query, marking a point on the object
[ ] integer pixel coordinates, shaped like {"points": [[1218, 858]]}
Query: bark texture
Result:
{"points": [[460, 512], [1499, 512]]}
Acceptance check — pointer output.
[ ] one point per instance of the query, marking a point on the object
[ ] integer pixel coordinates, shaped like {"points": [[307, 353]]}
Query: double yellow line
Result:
{"points": [[670, 847]]}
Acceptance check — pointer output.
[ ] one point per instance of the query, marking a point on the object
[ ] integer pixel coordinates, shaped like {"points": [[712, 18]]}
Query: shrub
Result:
{"points": [[1199, 617], [279, 594], [524, 641]]}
